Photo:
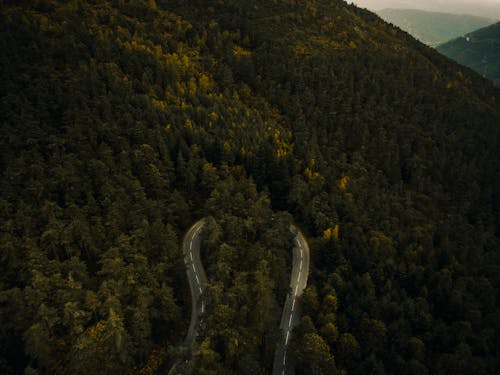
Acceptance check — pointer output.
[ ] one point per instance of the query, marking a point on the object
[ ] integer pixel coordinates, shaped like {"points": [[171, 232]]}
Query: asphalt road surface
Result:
{"points": [[196, 277], [197, 282], [290, 316]]}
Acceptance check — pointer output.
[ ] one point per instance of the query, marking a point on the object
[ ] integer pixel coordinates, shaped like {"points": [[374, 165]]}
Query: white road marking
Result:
{"points": [[191, 245], [201, 291], [197, 279], [202, 307], [191, 255], [192, 265], [287, 337]]}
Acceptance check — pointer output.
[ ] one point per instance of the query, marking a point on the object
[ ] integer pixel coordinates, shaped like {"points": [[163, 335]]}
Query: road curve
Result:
{"points": [[290, 316], [197, 281]]}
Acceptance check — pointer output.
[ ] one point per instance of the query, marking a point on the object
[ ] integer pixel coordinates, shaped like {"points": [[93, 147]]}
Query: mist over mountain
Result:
{"points": [[123, 123], [483, 8], [433, 28]]}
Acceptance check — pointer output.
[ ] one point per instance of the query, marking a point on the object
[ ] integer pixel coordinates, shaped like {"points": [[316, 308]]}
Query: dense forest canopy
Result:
{"points": [[123, 122]]}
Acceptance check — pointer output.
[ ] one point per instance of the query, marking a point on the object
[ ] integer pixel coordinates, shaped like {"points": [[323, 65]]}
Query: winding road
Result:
{"points": [[196, 277], [291, 311], [197, 281]]}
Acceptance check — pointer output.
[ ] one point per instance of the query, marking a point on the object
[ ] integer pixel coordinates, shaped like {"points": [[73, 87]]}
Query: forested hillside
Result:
{"points": [[124, 122], [479, 50]]}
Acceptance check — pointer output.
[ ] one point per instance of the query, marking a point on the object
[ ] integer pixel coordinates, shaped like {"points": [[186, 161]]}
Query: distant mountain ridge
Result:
{"points": [[481, 8], [479, 50], [433, 28]]}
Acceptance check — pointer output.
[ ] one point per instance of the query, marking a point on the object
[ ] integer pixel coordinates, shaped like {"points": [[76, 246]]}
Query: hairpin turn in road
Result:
{"points": [[291, 310]]}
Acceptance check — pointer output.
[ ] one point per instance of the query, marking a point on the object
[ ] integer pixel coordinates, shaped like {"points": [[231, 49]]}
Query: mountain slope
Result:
{"points": [[123, 122], [433, 28], [479, 50]]}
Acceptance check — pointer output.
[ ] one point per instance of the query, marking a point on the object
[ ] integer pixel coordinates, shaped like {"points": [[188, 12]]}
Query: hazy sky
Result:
{"points": [[486, 8]]}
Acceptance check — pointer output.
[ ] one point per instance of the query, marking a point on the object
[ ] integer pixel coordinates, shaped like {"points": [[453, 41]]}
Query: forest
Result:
{"points": [[125, 121]]}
